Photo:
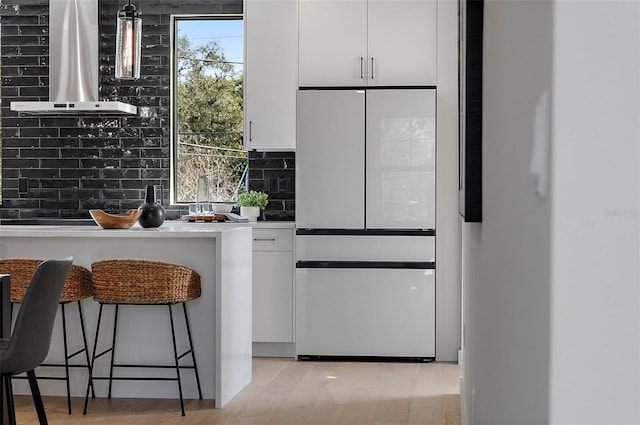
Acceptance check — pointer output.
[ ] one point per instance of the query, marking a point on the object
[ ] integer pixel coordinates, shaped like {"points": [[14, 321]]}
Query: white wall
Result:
{"points": [[552, 315], [448, 263], [507, 260], [595, 363]]}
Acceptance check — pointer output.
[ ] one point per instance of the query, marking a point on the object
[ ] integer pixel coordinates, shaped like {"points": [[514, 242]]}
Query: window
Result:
{"points": [[207, 106]]}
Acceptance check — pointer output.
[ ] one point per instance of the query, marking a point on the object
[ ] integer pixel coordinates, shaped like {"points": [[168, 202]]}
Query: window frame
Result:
{"points": [[173, 96]]}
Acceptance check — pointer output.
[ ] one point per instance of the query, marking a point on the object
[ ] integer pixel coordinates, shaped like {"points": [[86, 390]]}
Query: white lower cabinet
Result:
{"points": [[273, 285]]}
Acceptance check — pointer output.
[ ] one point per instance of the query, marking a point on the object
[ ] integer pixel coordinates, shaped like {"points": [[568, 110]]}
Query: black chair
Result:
{"points": [[29, 343]]}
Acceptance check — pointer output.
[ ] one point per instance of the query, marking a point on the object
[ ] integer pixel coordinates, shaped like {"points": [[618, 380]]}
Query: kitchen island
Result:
{"points": [[220, 318]]}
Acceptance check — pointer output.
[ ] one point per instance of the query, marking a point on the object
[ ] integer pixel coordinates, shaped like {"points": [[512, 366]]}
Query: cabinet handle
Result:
{"points": [[251, 131], [361, 67], [372, 76], [264, 239]]}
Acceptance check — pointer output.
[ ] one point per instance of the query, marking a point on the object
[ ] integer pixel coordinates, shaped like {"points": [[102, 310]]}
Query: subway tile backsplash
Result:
{"points": [[274, 173], [62, 166]]}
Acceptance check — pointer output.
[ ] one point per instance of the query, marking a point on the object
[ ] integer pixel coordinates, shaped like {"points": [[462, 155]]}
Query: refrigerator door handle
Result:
{"points": [[372, 75], [427, 265]]}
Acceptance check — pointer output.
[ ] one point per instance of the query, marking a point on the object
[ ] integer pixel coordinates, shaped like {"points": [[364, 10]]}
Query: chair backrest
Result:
{"points": [[31, 335]]}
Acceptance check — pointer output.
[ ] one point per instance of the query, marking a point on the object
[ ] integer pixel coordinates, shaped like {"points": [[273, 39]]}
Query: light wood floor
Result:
{"points": [[290, 392]]}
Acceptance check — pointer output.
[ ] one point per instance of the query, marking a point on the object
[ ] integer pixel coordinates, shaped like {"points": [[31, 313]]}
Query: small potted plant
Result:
{"points": [[251, 203]]}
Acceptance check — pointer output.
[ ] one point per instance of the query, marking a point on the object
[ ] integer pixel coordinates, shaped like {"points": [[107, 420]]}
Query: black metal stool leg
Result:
{"points": [[93, 361], [37, 398], [2, 400], [113, 350], [193, 351], [84, 341], [63, 313], [8, 392], [175, 356]]}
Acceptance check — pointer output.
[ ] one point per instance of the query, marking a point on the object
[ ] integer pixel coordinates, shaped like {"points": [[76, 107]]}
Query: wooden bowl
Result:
{"points": [[115, 221]]}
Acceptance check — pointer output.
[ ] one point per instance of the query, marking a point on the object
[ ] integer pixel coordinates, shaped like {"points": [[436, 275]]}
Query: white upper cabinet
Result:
{"points": [[402, 42], [367, 42], [332, 42], [270, 74]]}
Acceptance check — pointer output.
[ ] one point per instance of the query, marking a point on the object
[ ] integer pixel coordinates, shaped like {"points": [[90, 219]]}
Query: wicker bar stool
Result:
{"points": [[144, 282], [77, 287]]}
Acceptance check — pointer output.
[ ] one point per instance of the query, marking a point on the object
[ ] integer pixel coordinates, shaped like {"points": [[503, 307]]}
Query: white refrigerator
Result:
{"points": [[365, 219]]}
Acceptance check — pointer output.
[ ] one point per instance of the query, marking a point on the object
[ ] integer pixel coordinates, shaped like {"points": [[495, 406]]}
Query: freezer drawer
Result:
{"points": [[365, 312], [361, 248]]}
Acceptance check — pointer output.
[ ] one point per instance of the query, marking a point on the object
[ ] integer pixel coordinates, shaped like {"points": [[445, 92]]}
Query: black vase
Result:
{"points": [[151, 212]]}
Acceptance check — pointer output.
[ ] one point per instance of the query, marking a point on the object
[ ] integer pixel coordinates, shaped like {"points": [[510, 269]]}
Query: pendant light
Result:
{"points": [[128, 43]]}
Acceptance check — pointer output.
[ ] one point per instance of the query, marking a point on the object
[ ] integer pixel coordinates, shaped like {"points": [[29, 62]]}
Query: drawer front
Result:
{"points": [[273, 240], [365, 248], [359, 312]]}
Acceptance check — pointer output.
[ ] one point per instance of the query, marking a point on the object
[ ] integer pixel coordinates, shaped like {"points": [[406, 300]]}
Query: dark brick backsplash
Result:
{"points": [[274, 173], [75, 163]]}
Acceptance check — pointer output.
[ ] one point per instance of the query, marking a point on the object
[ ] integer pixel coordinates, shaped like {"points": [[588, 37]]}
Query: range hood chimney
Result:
{"points": [[73, 64]]}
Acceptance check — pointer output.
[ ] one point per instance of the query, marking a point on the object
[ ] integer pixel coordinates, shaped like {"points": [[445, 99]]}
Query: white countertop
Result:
{"points": [[175, 228]]}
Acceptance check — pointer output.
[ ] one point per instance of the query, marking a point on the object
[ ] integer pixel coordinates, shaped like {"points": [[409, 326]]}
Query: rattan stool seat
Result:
{"points": [[76, 287], [131, 281]]}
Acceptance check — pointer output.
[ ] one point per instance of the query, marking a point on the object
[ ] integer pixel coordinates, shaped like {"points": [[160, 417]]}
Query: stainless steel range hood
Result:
{"points": [[73, 64]]}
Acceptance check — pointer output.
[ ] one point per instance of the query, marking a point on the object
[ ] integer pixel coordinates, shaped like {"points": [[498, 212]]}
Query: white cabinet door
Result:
{"points": [[365, 312], [401, 42], [329, 159], [367, 43], [272, 296], [270, 74], [401, 158], [333, 42]]}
